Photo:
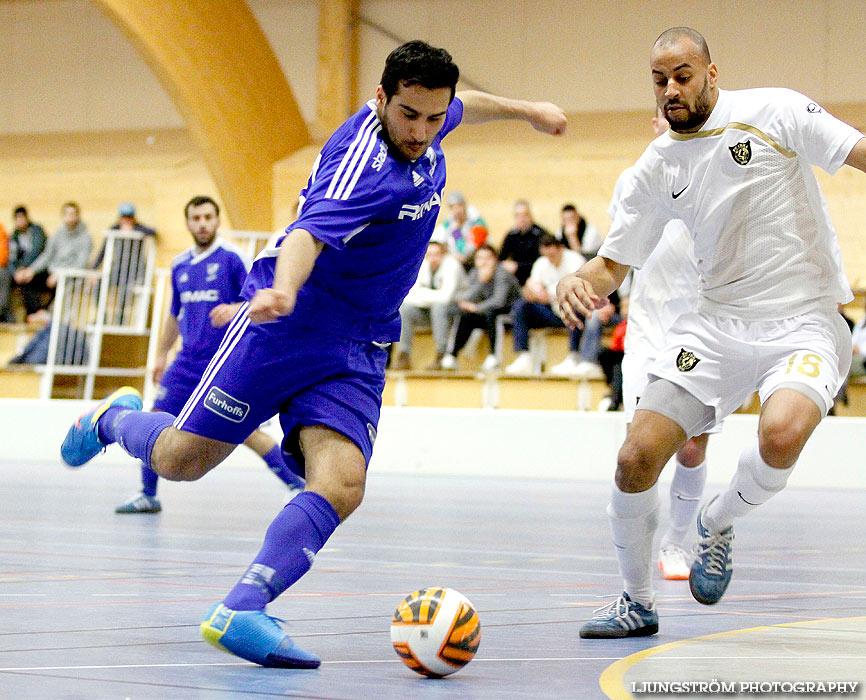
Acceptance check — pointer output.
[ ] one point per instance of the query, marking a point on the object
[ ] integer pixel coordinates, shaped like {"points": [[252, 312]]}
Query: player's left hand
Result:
{"points": [[221, 314], [268, 305], [577, 300], [548, 119]]}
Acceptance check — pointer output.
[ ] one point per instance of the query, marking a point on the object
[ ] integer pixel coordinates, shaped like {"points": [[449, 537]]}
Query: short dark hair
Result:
{"points": [[439, 243], [20, 209], [74, 205], [549, 239], [418, 63], [487, 246], [669, 36], [569, 207], [197, 201]]}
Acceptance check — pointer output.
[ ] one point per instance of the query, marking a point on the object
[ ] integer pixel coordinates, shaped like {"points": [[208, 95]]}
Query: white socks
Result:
{"points": [[686, 490], [633, 522], [754, 483]]}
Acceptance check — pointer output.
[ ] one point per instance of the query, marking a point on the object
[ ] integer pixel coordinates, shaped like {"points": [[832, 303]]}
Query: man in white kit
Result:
{"points": [[735, 167], [663, 289]]}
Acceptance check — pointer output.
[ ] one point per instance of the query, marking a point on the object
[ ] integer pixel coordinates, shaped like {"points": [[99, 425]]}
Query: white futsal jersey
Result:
{"points": [[743, 185], [665, 286]]}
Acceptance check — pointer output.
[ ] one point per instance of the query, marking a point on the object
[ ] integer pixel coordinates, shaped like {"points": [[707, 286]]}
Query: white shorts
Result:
{"points": [[635, 377], [721, 361]]}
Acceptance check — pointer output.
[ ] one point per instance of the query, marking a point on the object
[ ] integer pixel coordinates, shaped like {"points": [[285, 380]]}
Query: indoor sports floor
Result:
{"points": [[98, 605]]}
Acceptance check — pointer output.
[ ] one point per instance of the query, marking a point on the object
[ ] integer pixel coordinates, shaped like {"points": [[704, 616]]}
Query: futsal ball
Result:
{"points": [[435, 631]]}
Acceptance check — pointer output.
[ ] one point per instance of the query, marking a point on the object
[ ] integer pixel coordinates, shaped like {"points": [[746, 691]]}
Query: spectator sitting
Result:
{"points": [[538, 308], [128, 262], [613, 350], [4, 247], [520, 249], [463, 231], [492, 290], [577, 233], [858, 359], [431, 301], [25, 245], [69, 247], [5, 275]]}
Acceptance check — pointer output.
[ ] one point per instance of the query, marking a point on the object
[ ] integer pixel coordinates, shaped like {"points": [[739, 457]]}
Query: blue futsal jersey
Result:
{"points": [[375, 213], [199, 282]]}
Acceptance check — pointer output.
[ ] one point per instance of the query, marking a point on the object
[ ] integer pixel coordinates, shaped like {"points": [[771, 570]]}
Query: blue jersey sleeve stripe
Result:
{"points": [[348, 155], [358, 161], [363, 163]]}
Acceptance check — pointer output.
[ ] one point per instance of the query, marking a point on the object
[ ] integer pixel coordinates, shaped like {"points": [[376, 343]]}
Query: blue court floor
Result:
{"points": [[98, 605]]}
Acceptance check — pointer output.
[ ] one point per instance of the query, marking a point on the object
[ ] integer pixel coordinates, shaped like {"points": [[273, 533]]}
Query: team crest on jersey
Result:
{"points": [[686, 361], [741, 152], [212, 269]]}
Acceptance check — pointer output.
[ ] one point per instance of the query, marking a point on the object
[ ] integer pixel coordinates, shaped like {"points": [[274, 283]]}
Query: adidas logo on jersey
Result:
{"points": [[417, 179], [416, 211]]}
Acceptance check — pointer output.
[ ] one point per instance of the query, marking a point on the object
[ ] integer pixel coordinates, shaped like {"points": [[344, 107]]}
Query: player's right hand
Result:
{"points": [[576, 300], [268, 305], [159, 368]]}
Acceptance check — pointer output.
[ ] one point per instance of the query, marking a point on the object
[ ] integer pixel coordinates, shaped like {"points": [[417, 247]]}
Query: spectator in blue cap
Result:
{"points": [[128, 263]]}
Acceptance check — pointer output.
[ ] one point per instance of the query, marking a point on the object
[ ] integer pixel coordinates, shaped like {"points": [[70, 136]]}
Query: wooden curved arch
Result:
{"points": [[216, 63]]}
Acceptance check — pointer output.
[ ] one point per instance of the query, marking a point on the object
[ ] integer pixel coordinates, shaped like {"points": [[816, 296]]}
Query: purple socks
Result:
{"points": [[298, 532]]}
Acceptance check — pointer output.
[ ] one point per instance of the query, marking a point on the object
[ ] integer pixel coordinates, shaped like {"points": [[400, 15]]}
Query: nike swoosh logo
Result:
{"points": [[740, 494], [677, 194]]}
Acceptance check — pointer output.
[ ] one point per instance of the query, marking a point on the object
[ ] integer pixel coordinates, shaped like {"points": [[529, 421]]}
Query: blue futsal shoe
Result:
{"points": [[713, 566], [254, 636], [82, 442], [621, 618]]}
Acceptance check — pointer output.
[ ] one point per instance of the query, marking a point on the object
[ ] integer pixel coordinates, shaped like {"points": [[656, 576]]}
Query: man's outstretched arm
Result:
{"points": [[480, 107]]}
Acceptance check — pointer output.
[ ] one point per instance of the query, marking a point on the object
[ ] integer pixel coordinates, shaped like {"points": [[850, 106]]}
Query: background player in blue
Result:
{"points": [[206, 283], [312, 342]]}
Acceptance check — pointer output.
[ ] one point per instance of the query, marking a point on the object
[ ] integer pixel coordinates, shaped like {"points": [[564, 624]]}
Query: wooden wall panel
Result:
{"points": [[216, 63]]}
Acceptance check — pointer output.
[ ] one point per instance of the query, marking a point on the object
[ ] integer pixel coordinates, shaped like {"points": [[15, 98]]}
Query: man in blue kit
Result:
{"points": [[206, 283], [311, 343]]}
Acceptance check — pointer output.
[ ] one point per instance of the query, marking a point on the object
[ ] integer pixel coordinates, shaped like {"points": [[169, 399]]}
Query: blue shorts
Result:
{"points": [[177, 384], [305, 376]]}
